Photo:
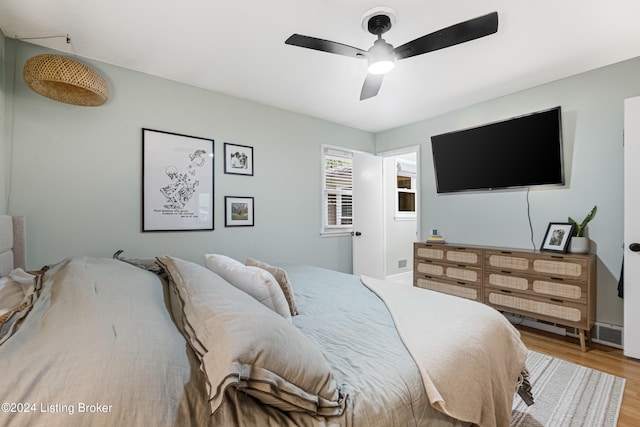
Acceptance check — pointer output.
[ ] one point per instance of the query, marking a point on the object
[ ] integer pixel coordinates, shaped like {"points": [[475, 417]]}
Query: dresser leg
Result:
{"points": [[583, 345]]}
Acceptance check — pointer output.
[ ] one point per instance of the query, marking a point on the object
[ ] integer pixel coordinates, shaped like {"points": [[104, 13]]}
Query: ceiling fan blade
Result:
{"points": [[371, 86], [326, 46], [450, 36]]}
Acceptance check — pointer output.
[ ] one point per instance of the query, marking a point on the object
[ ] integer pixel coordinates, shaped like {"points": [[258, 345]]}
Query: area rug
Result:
{"points": [[567, 394]]}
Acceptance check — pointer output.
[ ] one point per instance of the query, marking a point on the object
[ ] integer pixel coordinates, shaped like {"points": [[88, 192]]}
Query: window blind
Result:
{"points": [[338, 190]]}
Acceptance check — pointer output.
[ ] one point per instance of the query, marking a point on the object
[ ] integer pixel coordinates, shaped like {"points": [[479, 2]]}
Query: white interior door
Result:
{"points": [[632, 227], [368, 216]]}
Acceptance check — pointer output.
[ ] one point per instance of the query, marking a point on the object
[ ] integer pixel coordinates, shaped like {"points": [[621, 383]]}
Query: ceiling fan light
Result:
{"points": [[381, 66], [381, 57]]}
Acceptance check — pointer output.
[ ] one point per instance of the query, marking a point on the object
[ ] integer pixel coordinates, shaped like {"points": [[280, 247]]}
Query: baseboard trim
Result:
{"points": [[405, 277], [601, 333], [536, 324]]}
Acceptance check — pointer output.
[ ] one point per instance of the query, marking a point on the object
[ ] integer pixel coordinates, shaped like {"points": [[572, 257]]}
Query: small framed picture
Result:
{"points": [[238, 159], [238, 211], [556, 239]]}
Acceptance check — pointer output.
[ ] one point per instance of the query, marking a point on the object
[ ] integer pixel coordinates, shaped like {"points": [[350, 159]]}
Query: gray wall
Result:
{"points": [[592, 107], [4, 145], [77, 171]]}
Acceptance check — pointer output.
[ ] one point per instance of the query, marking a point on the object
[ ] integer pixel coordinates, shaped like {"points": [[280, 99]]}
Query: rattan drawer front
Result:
{"points": [[430, 269], [461, 273], [507, 262], [507, 281], [464, 256], [430, 253], [569, 268], [559, 289], [540, 308], [458, 290]]}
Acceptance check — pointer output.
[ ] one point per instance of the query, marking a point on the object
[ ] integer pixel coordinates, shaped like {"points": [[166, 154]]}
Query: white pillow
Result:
{"points": [[217, 259], [255, 281]]}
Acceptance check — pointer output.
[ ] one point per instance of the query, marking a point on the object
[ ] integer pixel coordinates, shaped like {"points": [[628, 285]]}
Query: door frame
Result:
{"points": [[393, 153], [631, 319], [385, 202]]}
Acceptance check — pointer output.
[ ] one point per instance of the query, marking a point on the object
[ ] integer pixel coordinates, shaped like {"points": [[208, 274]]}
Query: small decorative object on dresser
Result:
{"points": [[557, 288], [435, 237], [579, 243]]}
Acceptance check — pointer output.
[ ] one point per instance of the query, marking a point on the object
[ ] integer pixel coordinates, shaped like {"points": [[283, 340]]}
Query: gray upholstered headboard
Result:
{"points": [[12, 243]]}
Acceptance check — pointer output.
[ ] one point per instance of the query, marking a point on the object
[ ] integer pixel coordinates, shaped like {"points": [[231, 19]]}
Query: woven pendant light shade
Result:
{"points": [[66, 80]]}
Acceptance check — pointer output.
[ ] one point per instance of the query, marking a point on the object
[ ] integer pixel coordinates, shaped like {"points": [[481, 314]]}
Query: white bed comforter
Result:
{"points": [[472, 379]]}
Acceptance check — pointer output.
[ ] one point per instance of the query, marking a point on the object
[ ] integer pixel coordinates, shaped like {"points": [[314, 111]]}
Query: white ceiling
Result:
{"points": [[236, 47]]}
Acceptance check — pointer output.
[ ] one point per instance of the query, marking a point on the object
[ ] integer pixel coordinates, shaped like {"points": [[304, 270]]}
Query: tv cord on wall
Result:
{"points": [[529, 218]]}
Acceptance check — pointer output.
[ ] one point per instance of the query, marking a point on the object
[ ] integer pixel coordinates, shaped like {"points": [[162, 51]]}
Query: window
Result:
{"points": [[405, 189], [337, 177]]}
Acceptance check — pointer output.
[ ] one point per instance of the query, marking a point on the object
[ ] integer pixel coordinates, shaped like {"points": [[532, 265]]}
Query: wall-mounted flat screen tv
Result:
{"points": [[522, 151]]}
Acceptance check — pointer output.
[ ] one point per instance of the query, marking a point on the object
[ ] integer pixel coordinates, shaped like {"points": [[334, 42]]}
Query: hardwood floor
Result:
{"points": [[600, 357]]}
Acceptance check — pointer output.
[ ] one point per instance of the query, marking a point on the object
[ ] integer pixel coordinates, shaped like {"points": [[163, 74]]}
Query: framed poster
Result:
{"points": [[557, 237], [177, 182], [238, 159], [238, 211]]}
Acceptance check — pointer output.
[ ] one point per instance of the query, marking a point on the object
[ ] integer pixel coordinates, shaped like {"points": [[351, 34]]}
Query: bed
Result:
{"points": [[168, 342]]}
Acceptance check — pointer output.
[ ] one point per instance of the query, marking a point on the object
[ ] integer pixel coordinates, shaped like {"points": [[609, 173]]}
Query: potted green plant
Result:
{"points": [[579, 243]]}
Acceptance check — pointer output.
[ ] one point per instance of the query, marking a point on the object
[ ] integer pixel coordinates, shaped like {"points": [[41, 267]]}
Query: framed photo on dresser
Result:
{"points": [[557, 237]]}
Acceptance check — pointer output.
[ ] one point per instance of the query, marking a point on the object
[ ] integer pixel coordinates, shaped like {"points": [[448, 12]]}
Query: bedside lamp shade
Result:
{"points": [[66, 80]]}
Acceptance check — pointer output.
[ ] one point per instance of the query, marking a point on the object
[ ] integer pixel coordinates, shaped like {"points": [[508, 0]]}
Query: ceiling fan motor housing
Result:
{"points": [[379, 24]]}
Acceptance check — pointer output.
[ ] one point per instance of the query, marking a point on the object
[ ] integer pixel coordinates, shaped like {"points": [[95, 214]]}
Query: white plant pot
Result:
{"points": [[579, 245]]}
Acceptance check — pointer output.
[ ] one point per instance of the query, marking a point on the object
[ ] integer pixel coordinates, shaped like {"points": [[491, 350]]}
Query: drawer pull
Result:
{"points": [[557, 256], [505, 272], [461, 283], [556, 300], [506, 252], [505, 291], [560, 279]]}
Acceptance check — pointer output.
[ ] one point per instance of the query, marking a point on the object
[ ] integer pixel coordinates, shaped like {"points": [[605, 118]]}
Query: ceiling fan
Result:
{"points": [[382, 56]]}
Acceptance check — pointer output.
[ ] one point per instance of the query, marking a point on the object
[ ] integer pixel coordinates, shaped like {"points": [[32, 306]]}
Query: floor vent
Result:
{"points": [[610, 335]]}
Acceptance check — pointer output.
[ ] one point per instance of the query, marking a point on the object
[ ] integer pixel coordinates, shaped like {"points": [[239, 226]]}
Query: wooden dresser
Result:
{"points": [[557, 288]]}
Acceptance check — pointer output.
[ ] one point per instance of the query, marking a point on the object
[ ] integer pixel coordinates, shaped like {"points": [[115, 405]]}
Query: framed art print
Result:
{"points": [[238, 211], [238, 159], [557, 237], [177, 182]]}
